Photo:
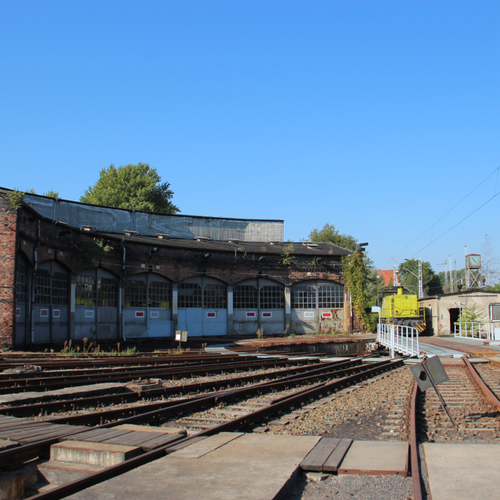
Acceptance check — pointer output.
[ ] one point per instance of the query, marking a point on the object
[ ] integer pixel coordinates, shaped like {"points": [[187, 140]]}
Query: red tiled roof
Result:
{"points": [[387, 276]]}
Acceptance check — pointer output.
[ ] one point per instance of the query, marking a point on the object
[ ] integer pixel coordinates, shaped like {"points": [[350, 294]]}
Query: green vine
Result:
{"points": [[286, 257], [355, 274]]}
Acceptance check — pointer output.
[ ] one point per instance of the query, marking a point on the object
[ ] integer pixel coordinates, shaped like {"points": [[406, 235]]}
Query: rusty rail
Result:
{"points": [[479, 383], [415, 469], [232, 425]]}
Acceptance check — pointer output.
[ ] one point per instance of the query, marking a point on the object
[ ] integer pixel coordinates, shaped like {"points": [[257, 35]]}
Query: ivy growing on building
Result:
{"points": [[355, 276]]}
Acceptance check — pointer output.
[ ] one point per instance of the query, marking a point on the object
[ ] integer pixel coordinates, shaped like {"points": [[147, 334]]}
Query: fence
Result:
{"points": [[398, 338], [478, 330]]}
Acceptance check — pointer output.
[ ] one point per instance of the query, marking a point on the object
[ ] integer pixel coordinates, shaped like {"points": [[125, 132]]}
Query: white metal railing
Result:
{"points": [[398, 338], [478, 330]]}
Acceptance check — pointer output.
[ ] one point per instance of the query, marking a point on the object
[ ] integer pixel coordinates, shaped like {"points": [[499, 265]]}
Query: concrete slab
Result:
{"points": [[208, 445], [376, 458], [251, 467], [99, 454], [463, 471]]}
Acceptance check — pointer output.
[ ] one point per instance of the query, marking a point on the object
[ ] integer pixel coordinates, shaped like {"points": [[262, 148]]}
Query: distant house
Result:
{"points": [[387, 276], [443, 311]]}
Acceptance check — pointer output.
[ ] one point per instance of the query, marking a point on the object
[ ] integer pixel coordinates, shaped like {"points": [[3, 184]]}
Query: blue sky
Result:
{"points": [[375, 116]]}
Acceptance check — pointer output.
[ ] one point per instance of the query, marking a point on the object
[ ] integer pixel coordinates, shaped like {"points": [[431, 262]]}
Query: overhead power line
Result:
{"points": [[497, 169]]}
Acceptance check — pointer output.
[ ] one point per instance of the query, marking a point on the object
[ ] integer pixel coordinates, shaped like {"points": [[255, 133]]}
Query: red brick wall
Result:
{"points": [[8, 222]]}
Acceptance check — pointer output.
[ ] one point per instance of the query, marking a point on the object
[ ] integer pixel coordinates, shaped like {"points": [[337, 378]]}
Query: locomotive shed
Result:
{"points": [[248, 424]]}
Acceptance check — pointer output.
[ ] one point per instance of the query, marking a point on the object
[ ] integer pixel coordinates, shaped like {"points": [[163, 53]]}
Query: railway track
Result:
{"points": [[242, 407], [471, 402], [282, 392], [58, 379]]}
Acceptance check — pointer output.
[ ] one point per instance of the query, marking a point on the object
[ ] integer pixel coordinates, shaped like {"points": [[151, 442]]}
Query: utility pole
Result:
{"points": [[420, 280], [452, 290]]}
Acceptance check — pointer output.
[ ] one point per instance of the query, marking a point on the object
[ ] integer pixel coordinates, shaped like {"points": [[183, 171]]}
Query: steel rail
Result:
{"points": [[43, 383], [104, 361], [10, 456], [480, 385], [415, 466], [90, 370], [238, 423], [199, 403], [100, 417], [123, 397]]}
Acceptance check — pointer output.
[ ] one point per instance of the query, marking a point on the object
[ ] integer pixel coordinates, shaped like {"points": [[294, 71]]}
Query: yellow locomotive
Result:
{"points": [[403, 309]]}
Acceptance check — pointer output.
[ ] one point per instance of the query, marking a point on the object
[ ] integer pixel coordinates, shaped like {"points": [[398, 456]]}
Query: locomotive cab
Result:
{"points": [[402, 309]]}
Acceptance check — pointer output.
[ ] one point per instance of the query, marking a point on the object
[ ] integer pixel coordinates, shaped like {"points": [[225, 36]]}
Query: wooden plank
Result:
{"points": [[335, 459], [25, 430], [315, 459], [101, 437], [31, 438], [159, 441], [22, 423], [34, 436], [7, 418], [134, 438], [88, 436]]}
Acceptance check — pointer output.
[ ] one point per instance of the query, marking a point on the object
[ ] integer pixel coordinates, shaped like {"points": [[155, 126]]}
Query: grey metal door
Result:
{"points": [[50, 309], [96, 305], [202, 307], [317, 307], [148, 307]]}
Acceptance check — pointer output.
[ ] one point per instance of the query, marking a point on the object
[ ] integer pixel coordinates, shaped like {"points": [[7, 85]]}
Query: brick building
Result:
{"points": [[73, 271]]}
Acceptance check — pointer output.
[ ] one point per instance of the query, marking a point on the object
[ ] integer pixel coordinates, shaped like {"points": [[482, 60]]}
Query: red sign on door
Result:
{"points": [[326, 315], [211, 314], [250, 314]]}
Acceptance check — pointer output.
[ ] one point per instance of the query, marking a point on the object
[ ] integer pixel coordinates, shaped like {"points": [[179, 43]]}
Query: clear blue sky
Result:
{"points": [[375, 116]]}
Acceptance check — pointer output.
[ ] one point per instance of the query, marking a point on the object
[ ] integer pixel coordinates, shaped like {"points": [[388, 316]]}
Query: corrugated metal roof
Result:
{"points": [[324, 248]]}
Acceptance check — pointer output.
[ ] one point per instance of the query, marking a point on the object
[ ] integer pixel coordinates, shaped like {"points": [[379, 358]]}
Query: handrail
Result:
{"points": [[399, 338], [476, 330]]}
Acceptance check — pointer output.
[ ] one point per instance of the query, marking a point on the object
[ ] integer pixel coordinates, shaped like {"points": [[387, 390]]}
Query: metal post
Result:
{"points": [[420, 280], [392, 329]]}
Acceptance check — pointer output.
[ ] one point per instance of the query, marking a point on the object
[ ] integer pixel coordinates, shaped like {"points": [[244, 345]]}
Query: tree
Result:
{"points": [[329, 233], [134, 187], [408, 277]]}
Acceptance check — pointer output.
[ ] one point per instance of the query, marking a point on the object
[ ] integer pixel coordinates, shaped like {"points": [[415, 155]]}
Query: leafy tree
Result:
{"points": [[52, 194], [134, 187], [408, 277], [329, 233]]}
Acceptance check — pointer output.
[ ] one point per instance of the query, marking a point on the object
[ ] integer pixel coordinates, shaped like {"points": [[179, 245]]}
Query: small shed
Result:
{"points": [[443, 311]]}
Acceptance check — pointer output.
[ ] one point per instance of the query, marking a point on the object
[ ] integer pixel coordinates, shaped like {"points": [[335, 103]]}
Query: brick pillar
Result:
{"points": [[8, 227]]}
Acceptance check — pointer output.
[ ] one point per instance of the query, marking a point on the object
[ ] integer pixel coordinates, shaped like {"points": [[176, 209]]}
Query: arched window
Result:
{"points": [[304, 297], [135, 293]]}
